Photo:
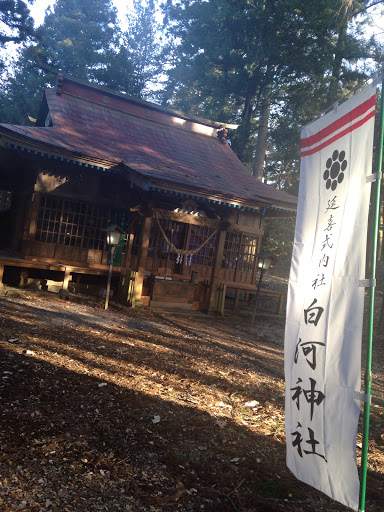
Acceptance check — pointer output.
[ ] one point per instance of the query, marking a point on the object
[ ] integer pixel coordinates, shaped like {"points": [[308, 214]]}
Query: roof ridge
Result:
{"points": [[62, 77], [175, 126]]}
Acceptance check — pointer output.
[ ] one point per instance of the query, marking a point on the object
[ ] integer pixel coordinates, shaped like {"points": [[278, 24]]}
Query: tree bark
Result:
{"points": [[337, 62], [261, 143], [239, 142]]}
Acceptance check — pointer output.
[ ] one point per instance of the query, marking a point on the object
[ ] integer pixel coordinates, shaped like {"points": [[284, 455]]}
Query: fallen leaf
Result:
{"points": [[253, 403], [222, 404]]}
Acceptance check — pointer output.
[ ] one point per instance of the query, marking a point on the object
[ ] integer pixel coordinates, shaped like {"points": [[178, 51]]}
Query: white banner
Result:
{"points": [[325, 299]]}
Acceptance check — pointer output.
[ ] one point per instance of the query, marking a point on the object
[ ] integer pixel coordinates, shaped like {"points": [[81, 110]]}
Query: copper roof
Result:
{"points": [[161, 146]]}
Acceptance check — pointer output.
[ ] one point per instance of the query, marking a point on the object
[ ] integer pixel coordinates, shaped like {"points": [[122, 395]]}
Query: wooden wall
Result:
{"points": [[91, 187], [115, 192]]}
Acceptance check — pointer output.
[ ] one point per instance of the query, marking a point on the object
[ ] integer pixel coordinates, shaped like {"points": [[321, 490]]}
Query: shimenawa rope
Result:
{"points": [[183, 252]]}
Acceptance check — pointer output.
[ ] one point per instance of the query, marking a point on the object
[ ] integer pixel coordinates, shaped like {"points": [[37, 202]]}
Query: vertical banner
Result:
{"points": [[326, 298]]}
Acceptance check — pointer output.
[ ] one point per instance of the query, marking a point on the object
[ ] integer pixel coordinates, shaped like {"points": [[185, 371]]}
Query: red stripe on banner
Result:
{"points": [[339, 135], [339, 123]]}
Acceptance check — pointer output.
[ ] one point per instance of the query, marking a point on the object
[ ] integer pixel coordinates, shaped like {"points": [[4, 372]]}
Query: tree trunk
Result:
{"points": [[337, 62], [239, 142], [261, 143]]}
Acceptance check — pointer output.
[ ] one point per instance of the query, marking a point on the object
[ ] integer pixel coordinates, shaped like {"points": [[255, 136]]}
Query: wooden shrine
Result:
{"points": [[191, 212]]}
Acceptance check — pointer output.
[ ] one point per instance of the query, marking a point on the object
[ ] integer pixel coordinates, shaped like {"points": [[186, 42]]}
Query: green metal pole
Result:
{"points": [[368, 368]]}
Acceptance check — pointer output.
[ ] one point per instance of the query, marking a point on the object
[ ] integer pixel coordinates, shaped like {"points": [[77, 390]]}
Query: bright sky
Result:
{"points": [[39, 6], [124, 6]]}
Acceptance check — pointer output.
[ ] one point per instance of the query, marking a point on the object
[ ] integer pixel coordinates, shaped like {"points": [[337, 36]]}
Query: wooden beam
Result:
{"points": [[212, 223], [186, 218], [50, 264]]}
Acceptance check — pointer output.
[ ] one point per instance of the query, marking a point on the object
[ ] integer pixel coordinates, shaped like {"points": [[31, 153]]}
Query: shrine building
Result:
{"points": [[191, 213]]}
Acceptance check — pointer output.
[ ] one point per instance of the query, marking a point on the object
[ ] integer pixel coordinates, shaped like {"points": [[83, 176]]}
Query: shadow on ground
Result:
{"points": [[127, 410]]}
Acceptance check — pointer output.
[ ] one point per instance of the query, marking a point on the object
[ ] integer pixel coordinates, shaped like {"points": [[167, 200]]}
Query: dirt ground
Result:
{"points": [[133, 410]]}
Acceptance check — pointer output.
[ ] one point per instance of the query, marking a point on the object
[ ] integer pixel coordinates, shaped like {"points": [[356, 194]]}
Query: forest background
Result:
{"points": [[268, 66]]}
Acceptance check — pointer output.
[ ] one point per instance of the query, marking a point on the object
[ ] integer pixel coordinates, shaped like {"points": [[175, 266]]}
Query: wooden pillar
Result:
{"points": [[19, 212], [1, 275], [66, 278], [219, 251], [23, 279], [143, 253], [63, 292], [126, 290], [31, 223], [280, 306], [128, 254], [220, 298]]}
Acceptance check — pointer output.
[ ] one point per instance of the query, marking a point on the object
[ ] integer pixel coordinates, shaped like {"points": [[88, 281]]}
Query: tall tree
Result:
{"points": [[21, 95], [16, 24], [233, 52], [135, 67], [298, 103], [231, 60], [83, 38], [78, 37]]}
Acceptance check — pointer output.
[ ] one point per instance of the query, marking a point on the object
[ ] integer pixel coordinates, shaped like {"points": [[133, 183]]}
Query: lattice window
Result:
{"points": [[72, 223], [176, 233], [248, 250], [240, 251], [49, 217], [231, 250], [198, 236]]}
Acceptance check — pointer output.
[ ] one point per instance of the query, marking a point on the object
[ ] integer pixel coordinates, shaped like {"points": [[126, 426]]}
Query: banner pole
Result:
{"points": [[368, 368]]}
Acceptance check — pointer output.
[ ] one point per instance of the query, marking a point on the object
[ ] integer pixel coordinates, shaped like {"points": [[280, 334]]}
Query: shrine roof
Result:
{"points": [[161, 146]]}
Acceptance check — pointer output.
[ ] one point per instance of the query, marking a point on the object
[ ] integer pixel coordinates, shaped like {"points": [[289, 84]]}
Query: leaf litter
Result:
{"points": [[132, 410]]}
